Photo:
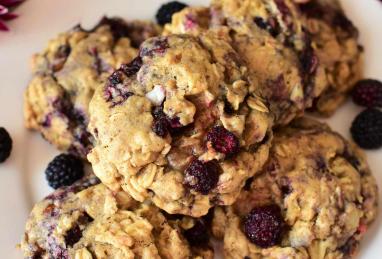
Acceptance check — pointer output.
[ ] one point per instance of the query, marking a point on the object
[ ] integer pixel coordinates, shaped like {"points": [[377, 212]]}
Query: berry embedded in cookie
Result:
{"points": [[270, 38], [87, 220], [263, 226], [314, 196], [337, 48], [185, 129], [66, 74]]}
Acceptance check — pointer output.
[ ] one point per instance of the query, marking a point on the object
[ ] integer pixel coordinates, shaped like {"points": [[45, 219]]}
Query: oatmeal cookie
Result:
{"points": [[181, 125], [336, 43], [315, 198], [66, 74], [93, 222], [270, 37]]}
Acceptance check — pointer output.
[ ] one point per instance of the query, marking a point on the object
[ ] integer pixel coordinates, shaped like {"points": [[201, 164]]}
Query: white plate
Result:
{"points": [[21, 177]]}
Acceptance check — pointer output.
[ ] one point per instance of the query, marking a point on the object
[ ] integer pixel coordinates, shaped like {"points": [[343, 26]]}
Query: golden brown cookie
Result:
{"points": [[181, 125], [315, 197], [68, 71], [84, 222]]}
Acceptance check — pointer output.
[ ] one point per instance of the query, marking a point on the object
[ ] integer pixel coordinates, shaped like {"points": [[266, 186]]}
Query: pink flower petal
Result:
{"points": [[8, 16], [3, 27], [10, 3], [3, 10]]}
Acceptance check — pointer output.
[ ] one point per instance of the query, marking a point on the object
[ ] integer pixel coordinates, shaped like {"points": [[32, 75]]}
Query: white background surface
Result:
{"points": [[21, 177]]}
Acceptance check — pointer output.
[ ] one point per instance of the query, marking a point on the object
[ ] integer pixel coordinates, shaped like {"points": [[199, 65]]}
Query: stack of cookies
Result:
{"points": [[195, 132]]}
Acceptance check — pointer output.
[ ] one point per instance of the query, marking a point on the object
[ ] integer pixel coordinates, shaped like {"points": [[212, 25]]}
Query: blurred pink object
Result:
{"points": [[6, 7]]}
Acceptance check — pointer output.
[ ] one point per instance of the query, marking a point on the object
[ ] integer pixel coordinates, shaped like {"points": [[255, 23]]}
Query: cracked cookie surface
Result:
{"points": [[279, 38], [85, 221], [68, 71], [323, 188], [270, 37], [181, 125]]}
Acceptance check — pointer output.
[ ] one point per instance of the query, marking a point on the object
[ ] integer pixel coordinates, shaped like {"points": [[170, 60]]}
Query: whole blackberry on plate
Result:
{"points": [[368, 93], [5, 144], [64, 170], [165, 12], [367, 129]]}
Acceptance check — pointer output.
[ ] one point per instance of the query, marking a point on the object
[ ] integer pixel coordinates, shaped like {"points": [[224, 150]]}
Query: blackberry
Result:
{"points": [[165, 12], [263, 226], [368, 93], [366, 129], [223, 141], [202, 177], [5, 144], [64, 170]]}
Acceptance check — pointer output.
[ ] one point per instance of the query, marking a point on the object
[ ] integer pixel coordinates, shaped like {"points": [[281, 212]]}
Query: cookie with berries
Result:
{"points": [[271, 39], [314, 197], [338, 50], [87, 220], [68, 71], [182, 125]]}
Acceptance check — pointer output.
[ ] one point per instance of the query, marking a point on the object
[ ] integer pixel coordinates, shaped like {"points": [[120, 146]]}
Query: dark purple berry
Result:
{"points": [[367, 129], [64, 170], [73, 236], [198, 234], [5, 144], [368, 93], [133, 67], [263, 226], [163, 124], [202, 176], [160, 127], [165, 12], [223, 141]]}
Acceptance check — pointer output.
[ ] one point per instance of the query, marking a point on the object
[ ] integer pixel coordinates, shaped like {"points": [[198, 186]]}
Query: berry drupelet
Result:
{"points": [[368, 93], [64, 170], [5, 144], [165, 12], [367, 129]]}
